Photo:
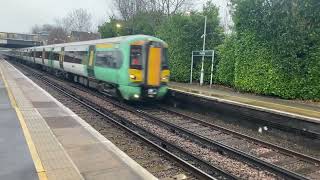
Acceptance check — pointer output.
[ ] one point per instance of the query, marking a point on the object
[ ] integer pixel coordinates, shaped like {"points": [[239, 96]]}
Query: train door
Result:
{"points": [[153, 63], [34, 55], [61, 58], [43, 55], [28, 55], [90, 66], [50, 58]]}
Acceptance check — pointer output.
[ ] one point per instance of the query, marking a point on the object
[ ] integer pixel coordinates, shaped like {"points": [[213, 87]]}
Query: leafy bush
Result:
{"points": [[311, 88], [276, 49], [226, 54], [249, 64], [254, 66]]}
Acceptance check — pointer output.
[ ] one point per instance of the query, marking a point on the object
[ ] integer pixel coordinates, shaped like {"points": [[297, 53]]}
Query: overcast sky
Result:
{"points": [[20, 15]]}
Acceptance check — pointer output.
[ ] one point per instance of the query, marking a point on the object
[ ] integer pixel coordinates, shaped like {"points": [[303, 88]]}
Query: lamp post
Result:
{"points": [[118, 26], [203, 49]]}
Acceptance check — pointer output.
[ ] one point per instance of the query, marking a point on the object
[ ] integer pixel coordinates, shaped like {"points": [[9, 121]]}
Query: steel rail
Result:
{"points": [[249, 158], [240, 135]]}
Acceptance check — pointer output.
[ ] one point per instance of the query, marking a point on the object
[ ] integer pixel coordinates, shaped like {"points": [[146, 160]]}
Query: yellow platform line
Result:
{"points": [[33, 151]]}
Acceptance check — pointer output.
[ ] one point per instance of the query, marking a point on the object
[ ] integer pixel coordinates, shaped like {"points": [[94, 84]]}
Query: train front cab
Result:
{"points": [[148, 70]]}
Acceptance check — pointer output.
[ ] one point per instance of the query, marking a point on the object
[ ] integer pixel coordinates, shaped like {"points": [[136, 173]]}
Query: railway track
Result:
{"points": [[209, 172], [282, 158], [258, 117], [211, 144]]}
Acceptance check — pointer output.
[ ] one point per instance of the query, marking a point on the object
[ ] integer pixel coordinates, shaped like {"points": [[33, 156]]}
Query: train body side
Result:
{"points": [[106, 65]]}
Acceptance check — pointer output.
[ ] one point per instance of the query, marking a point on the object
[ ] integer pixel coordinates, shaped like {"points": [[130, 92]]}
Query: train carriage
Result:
{"points": [[133, 67]]}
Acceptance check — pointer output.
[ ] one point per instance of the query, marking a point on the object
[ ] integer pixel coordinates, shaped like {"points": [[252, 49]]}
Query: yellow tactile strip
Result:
{"points": [[51, 161], [262, 105], [34, 154]]}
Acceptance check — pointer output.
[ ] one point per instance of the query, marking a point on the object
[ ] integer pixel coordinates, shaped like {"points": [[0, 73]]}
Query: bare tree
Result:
{"points": [[129, 8], [173, 6], [55, 33], [36, 29], [77, 20]]}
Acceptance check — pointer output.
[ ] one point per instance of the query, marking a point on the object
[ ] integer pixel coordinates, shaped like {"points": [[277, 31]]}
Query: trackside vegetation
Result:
{"points": [[274, 47], [274, 50], [181, 30]]}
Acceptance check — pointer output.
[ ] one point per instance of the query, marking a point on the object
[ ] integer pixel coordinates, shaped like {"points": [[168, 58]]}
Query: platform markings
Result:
{"points": [[33, 151]]}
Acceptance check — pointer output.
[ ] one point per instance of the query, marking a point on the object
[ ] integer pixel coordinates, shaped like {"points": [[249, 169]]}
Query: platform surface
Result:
{"points": [[15, 159], [295, 108], [67, 147]]}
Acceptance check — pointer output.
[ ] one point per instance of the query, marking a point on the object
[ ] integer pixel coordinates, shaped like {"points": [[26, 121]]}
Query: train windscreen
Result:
{"points": [[136, 57], [164, 62]]}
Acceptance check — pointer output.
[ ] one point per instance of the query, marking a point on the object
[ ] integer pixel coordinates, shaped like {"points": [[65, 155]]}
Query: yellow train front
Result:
{"points": [[148, 70]]}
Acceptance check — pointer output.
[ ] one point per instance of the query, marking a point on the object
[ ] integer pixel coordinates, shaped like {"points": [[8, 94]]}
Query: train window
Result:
{"points": [[38, 54], [74, 56], [46, 55], [136, 57], [164, 61], [55, 56], [111, 59]]}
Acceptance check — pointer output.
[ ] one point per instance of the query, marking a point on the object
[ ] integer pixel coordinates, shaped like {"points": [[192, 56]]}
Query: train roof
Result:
{"points": [[100, 41]]}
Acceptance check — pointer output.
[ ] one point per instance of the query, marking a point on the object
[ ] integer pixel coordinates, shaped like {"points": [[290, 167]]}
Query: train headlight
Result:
{"points": [[165, 78], [133, 76], [165, 75]]}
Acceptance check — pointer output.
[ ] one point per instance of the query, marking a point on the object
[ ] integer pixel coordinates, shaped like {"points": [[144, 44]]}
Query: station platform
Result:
{"points": [[42, 139], [291, 108], [15, 158]]}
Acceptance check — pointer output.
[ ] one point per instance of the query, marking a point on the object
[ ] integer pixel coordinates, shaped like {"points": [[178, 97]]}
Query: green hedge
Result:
{"points": [[311, 87], [250, 65], [253, 66], [226, 61], [275, 50]]}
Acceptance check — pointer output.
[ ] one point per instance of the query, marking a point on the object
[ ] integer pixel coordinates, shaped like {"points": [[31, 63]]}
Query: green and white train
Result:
{"points": [[132, 67]]}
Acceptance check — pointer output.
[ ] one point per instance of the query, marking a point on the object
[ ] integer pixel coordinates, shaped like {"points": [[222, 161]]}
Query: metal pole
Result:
{"points": [[204, 47], [191, 68], [212, 60]]}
